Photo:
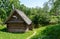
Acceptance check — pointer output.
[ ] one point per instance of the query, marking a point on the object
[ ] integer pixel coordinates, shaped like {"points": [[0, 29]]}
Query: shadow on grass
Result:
{"points": [[5, 30]]}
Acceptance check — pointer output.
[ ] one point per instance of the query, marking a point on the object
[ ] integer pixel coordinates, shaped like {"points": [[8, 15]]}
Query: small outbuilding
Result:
{"points": [[18, 22]]}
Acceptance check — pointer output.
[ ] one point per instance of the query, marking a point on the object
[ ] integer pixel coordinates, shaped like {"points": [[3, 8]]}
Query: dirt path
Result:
{"points": [[32, 35]]}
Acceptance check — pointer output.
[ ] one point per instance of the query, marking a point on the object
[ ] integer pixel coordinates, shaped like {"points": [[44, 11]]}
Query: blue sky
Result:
{"points": [[33, 3]]}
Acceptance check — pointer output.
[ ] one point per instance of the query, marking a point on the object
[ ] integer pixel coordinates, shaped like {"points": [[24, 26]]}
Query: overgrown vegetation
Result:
{"points": [[49, 14], [38, 15], [48, 32]]}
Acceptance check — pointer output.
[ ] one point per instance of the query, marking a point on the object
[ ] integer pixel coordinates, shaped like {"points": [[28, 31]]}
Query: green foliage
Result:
{"points": [[40, 17], [44, 19], [6, 7], [37, 15], [53, 19], [58, 19], [55, 8], [49, 32], [36, 20]]}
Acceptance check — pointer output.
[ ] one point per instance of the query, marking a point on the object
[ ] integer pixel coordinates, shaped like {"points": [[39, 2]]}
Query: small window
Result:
{"points": [[15, 17]]}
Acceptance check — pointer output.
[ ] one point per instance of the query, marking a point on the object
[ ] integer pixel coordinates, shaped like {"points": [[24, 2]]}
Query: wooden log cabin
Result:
{"points": [[18, 22]]}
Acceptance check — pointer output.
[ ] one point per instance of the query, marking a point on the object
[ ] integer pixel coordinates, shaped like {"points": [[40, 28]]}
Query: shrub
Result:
{"points": [[58, 19], [53, 19], [44, 20], [36, 20]]}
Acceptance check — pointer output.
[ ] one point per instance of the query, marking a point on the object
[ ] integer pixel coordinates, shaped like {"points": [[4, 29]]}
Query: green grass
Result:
{"points": [[7, 35], [48, 32]]}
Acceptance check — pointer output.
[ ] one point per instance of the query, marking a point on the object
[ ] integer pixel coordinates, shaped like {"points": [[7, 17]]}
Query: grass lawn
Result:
{"points": [[48, 32], [7, 35]]}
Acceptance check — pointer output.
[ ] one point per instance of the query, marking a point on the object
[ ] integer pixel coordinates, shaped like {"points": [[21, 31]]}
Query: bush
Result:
{"points": [[44, 20], [58, 19], [36, 20], [53, 19], [51, 32]]}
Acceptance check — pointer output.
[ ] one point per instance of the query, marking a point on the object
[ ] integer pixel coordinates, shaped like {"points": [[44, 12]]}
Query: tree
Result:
{"points": [[46, 7], [36, 20], [55, 9], [6, 7]]}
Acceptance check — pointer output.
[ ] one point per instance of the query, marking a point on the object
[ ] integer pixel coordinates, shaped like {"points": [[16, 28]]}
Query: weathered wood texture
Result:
{"points": [[17, 24], [18, 27]]}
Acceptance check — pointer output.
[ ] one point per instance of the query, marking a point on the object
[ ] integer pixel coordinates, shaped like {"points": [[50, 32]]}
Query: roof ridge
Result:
{"points": [[23, 16]]}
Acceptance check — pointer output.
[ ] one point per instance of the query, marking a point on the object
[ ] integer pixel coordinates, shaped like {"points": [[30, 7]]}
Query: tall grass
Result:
{"points": [[48, 32]]}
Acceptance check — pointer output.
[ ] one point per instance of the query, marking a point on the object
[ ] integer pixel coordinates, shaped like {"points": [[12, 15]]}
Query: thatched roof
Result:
{"points": [[22, 15]]}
